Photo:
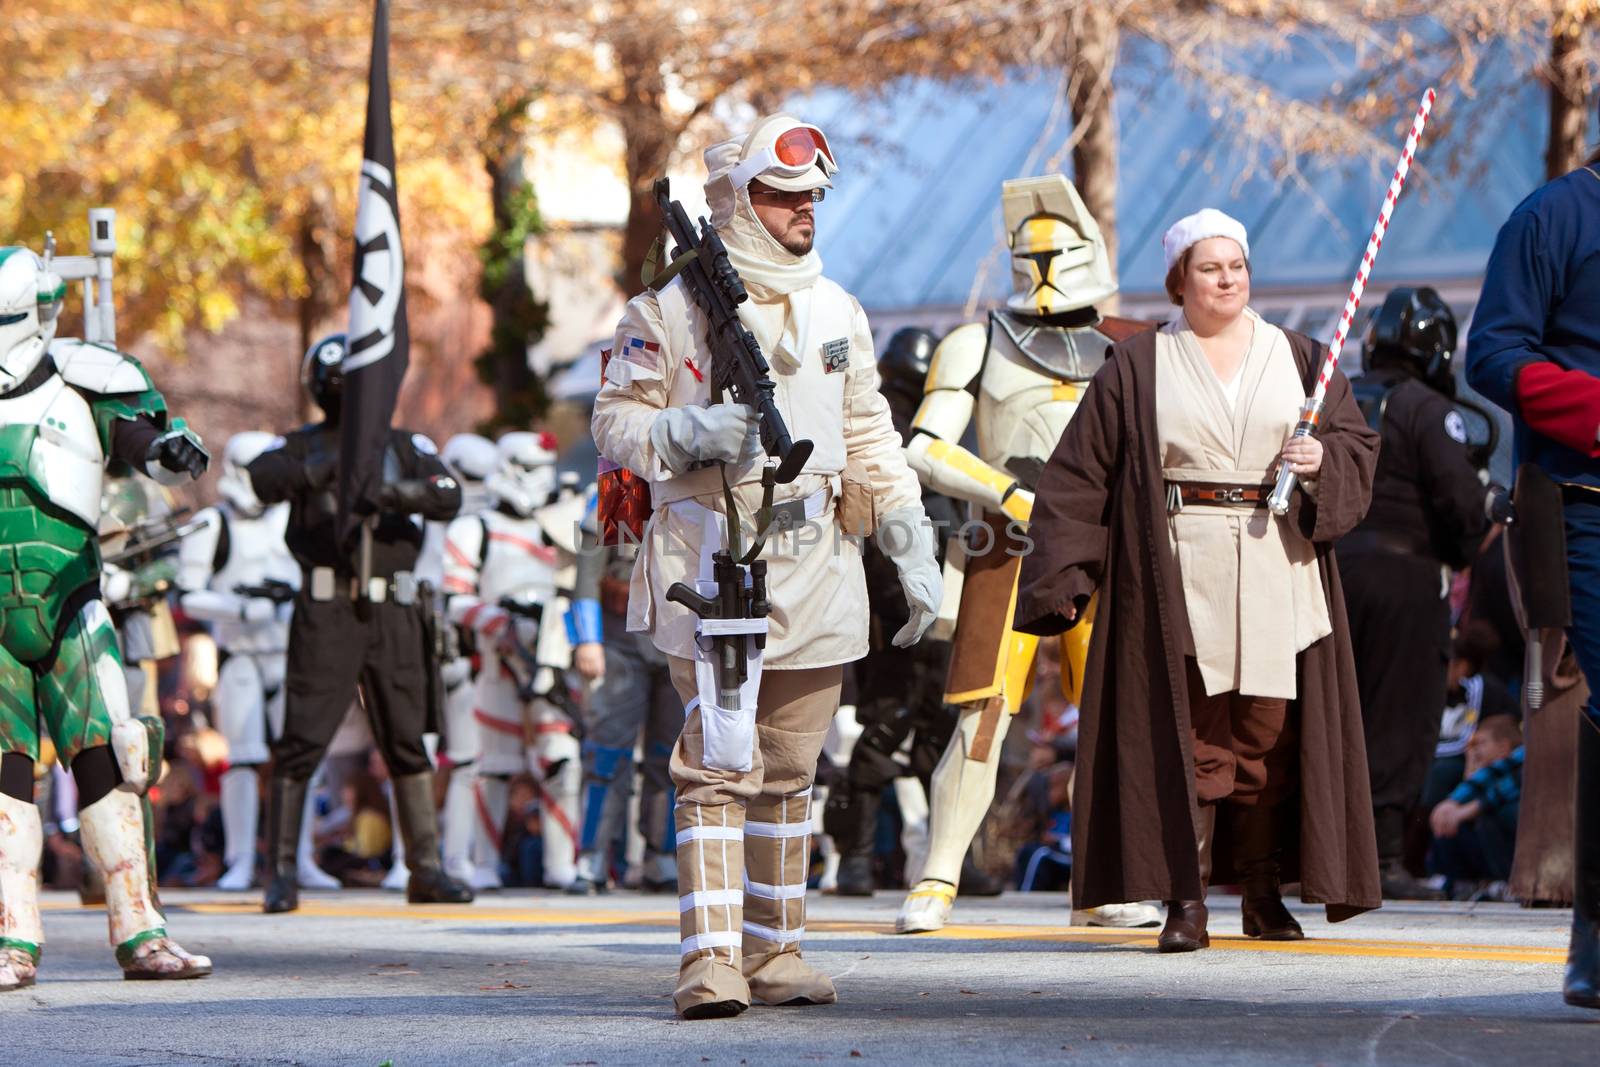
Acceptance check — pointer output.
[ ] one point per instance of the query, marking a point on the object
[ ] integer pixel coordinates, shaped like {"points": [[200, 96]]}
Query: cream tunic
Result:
{"points": [[1251, 584], [827, 390]]}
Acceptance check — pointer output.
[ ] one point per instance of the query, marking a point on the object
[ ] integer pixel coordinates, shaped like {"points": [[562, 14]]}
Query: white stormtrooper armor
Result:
{"points": [[1021, 376], [500, 557], [224, 567], [473, 458]]}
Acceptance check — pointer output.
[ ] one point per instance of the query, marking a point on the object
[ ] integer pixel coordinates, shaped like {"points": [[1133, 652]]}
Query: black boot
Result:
{"points": [[1581, 987], [851, 819], [1396, 882], [1185, 930], [855, 876], [977, 882], [286, 803], [1256, 852], [419, 828]]}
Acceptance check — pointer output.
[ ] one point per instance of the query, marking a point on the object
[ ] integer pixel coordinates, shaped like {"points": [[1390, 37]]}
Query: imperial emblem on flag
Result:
{"points": [[641, 353], [379, 269]]}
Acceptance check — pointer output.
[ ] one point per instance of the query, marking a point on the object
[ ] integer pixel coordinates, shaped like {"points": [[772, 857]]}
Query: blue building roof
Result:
{"points": [[914, 220]]}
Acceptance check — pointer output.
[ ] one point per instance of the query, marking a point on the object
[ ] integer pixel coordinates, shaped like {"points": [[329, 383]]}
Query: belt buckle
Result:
{"points": [[1231, 495], [789, 515]]}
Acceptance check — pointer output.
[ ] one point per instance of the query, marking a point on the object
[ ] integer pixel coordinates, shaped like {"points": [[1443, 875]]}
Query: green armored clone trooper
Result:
{"points": [[68, 408]]}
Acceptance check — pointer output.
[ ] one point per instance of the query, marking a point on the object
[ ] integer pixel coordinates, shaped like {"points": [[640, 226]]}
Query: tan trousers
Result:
{"points": [[744, 845]]}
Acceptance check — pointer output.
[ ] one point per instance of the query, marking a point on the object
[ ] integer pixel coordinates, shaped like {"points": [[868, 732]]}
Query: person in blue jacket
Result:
{"points": [[1534, 349]]}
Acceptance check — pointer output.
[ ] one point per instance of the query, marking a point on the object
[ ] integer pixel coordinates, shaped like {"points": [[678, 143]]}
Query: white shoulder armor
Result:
{"points": [[97, 369], [563, 521], [959, 358]]}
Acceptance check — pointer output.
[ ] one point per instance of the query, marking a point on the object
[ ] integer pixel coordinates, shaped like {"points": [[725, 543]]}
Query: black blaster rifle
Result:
{"points": [[738, 369], [146, 540], [273, 589], [738, 609]]}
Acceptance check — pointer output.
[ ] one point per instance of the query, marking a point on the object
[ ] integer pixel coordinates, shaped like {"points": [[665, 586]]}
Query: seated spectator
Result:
{"points": [[1474, 696], [357, 836], [1042, 816], [1475, 827]]}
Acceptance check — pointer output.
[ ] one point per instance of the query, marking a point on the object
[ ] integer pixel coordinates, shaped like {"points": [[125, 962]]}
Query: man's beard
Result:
{"points": [[798, 243]]}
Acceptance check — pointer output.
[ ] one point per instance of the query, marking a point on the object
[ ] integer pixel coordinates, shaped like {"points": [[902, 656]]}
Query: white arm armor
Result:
{"points": [[946, 412], [195, 554], [463, 547]]}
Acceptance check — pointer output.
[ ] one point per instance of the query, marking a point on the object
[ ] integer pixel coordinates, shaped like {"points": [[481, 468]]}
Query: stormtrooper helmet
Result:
{"points": [[30, 300], [1059, 261], [234, 485], [525, 476], [471, 456]]}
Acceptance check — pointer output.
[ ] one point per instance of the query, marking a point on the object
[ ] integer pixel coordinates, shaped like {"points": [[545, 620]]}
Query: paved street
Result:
{"points": [[358, 978]]}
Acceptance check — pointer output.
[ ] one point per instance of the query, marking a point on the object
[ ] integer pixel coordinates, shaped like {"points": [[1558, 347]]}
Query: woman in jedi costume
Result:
{"points": [[1221, 726]]}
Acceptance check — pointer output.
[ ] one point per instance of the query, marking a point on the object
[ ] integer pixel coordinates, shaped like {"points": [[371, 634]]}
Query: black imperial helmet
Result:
{"points": [[322, 373], [903, 366], [1415, 332]]}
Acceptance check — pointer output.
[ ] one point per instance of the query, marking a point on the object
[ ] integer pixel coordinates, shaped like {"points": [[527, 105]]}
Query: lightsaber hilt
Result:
{"points": [[1533, 670], [1310, 415], [1278, 502]]}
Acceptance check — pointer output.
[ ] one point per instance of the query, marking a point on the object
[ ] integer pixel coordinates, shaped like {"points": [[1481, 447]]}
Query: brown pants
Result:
{"points": [[1246, 749]]}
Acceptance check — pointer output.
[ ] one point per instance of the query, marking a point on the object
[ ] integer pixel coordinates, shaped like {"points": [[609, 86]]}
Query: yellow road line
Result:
{"points": [[1082, 935]]}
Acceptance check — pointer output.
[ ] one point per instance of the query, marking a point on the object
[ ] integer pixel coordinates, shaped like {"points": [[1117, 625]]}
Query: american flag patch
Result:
{"points": [[641, 353]]}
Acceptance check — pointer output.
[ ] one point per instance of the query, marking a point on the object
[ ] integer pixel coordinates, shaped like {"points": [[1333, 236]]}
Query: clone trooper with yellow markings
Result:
{"points": [[502, 572], [1020, 376]]}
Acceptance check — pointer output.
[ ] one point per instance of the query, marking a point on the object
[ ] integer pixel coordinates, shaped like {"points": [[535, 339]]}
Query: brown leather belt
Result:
{"points": [[1241, 496]]}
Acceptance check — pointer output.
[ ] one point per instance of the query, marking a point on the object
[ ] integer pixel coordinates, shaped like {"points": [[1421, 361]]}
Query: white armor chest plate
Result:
{"points": [[516, 560], [256, 550], [1030, 387], [65, 460]]}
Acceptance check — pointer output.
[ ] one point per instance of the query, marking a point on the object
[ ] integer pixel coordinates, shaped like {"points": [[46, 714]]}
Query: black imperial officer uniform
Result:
{"points": [[899, 691], [337, 642], [1427, 515]]}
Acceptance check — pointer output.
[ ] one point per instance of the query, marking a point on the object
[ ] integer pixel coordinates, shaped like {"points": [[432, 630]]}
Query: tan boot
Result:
{"points": [[21, 933], [777, 857], [710, 911]]}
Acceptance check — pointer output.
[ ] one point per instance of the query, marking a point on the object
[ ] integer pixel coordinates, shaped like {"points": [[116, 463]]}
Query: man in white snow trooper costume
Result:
{"points": [[744, 787]]}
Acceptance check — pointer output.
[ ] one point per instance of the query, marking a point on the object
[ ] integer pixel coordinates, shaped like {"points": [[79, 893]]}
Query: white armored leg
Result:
{"points": [[913, 802], [241, 709], [114, 839], [307, 873], [491, 803], [21, 932], [963, 789], [241, 819], [399, 875], [458, 821], [558, 763]]}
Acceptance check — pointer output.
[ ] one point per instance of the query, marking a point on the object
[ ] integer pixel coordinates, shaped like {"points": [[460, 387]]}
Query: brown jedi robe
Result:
{"points": [[1099, 523]]}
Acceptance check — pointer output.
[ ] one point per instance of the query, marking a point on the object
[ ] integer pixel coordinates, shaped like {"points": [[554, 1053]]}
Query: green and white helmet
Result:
{"points": [[30, 300]]}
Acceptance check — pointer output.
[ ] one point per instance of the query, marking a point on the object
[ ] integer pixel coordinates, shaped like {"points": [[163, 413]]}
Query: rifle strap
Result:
{"points": [[657, 279]]}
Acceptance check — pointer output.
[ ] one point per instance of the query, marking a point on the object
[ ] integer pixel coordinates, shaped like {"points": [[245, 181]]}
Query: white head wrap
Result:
{"points": [[1192, 229], [754, 253]]}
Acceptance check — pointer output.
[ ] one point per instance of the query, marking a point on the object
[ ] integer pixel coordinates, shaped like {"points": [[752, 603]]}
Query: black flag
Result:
{"points": [[380, 343]]}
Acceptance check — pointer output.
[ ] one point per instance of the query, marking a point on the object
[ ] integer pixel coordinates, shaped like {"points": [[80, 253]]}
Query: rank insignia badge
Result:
{"points": [[835, 355]]}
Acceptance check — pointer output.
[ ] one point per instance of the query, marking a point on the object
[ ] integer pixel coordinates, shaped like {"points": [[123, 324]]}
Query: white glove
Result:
{"points": [[906, 537], [721, 433], [258, 609]]}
